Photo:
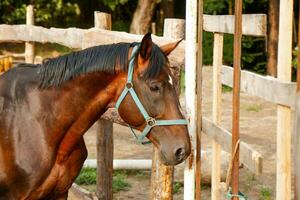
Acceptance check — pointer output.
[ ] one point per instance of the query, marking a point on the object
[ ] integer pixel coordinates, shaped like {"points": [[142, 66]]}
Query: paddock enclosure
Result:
{"points": [[280, 91]]}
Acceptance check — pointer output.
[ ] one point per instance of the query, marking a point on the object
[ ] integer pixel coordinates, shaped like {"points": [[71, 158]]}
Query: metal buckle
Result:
{"points": [[129, 85], [151, 122]]}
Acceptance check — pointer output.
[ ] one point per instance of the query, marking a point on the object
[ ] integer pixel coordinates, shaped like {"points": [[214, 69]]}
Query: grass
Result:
{"points": [[88, 176], [226, 88], [265, 193], [177, 187], [254, 108]]}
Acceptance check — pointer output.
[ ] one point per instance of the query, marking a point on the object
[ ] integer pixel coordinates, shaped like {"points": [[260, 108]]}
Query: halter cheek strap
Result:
{"points": [[151, 122]]}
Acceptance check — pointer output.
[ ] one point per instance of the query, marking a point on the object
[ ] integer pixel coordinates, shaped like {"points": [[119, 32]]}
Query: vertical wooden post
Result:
{"points": [[104, 159], [162, 176], [104, 135], [283, 169], [236, 95], [199, 98], [190, 95], [216, 115], [29, 46], [297, 125]]}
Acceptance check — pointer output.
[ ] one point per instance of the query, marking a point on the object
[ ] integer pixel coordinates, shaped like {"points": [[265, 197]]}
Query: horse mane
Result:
{"points": [[53, 72]]}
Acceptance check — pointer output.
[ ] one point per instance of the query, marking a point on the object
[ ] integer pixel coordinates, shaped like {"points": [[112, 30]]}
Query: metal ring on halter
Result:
{"points": [[150, 121]]}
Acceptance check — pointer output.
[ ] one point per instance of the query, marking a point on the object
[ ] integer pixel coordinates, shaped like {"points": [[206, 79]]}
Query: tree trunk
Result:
{"points": [[168, 8], [273, 21], [142, 17]]}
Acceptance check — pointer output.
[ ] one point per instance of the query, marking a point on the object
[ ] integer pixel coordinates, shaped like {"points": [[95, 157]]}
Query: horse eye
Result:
{"points": [[154, 88]]}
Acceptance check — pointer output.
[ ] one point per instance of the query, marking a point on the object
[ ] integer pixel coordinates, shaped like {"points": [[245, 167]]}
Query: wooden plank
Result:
{"points": [[297, 125], [253, 24], [104, 160], [77, 38], [266, 87], [29, 46], [237, 51], [105, 147], [190, 95], [162, 176], [284, 59], [216, 115], [199, 66], [248, 156]]}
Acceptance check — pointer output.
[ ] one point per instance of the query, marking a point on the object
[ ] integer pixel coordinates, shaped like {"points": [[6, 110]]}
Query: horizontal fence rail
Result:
{"points": [[253, 24], [248, 156], [265, 87]]}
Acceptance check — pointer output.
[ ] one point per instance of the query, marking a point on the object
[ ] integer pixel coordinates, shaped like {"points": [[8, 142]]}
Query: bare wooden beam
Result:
{"points": [[253, 24], [29, 46], [237, 51], [297, 125], [248, 156], [216, 113], [77, 38], [284, 72], [266, 87]]}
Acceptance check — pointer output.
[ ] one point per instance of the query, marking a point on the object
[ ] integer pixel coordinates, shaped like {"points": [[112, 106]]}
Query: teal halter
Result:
{"points": [[151, 122]]}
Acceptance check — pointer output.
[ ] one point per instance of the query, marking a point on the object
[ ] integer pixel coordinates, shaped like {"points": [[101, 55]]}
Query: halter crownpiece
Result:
{"points": [[151, 122]]}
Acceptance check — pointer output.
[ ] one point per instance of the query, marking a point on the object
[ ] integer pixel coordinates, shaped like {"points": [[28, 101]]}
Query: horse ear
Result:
{"points": [[168, 48], [146, 46]]}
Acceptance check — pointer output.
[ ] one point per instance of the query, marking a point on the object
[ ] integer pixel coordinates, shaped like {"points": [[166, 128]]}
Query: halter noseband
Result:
{"points": [[151, 122]]}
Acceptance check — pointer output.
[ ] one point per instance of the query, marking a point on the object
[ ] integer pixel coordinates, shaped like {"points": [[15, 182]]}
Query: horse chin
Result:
{"points": [[168, 162]]}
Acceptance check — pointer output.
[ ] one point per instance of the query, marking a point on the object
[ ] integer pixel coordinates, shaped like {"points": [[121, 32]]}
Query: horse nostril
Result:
{"points": [[179, 154]]}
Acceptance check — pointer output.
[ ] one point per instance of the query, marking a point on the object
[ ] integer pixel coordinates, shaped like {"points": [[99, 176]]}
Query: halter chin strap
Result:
{"points": [[151, 122]]}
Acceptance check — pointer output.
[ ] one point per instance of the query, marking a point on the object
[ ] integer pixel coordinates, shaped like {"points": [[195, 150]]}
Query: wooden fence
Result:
{"points": [[280, 91]]}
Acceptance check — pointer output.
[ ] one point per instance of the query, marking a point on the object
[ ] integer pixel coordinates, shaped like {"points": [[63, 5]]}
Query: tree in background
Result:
{"points": [[142, 17]]}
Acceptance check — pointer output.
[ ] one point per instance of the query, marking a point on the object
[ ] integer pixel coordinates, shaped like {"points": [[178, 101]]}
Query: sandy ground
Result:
{"points": [[258, 129]]}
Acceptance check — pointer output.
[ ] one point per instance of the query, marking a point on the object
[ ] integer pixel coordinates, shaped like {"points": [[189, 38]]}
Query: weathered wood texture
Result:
{"points": [[199, 99], [266, 87], [104, 159], [284, 59], [253, 24], [272, 39], [237, 51], [248, 156], [190, 95], [105, 147], [162, 176], [161, 179], [29, 46], [77, 38], [216, 114], [296, 135]]}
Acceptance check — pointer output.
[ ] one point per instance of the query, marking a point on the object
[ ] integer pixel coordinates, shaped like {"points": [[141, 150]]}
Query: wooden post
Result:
{"points": [[29, 46], [236, 95], [199, 99], [162, 176], [283, 168], [216, 115], [190, 95], [104, 135], [297, 125]]}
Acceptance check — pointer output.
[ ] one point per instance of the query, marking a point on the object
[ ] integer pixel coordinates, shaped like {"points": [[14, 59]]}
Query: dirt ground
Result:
{"points": [[258, 129]]}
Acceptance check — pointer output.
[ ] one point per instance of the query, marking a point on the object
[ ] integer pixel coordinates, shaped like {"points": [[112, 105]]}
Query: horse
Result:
{"points": [[46, 108]]}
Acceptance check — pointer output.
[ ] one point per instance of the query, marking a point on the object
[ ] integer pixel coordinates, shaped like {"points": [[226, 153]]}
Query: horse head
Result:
{"points": [[150, 104]]}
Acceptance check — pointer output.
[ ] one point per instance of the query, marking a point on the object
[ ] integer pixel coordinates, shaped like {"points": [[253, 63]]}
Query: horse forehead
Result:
{"points": [[170, 79]]}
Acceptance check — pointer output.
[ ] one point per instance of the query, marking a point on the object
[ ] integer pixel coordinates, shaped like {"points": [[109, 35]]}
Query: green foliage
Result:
{"points": [[226, 88], [265, 193], [119, 183], [177, 187], [87, 176]]}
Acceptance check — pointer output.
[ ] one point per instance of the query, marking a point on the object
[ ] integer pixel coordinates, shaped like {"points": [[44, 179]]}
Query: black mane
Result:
{"points": [[54, 72]]}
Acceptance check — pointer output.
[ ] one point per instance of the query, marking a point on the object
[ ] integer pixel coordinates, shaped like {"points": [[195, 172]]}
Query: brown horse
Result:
{"points": [[45, 110]]}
